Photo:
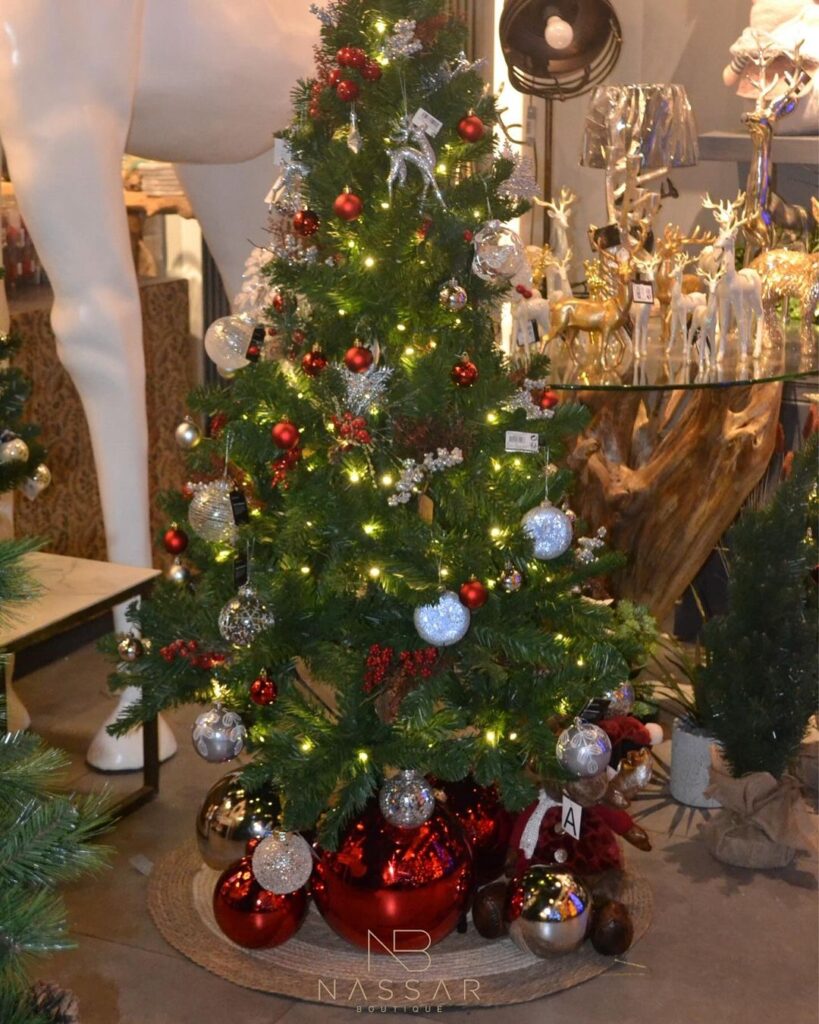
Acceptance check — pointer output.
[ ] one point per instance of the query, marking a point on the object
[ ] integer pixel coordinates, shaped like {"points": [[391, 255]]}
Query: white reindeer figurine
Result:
{"points": [[647, 265], [528, 307], [557, 277], [739, 293], [682, 304], [704, 324]]}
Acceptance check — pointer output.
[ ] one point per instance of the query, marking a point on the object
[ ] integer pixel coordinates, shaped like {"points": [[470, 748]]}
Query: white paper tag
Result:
{"points": [[426, 122], [571, 815], [528, 333], [520, 441], [643, 292]]}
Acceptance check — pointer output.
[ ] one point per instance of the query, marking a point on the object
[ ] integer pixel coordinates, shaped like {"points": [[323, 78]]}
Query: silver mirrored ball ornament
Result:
{"points": [[187, 435], [230, 817], [621, 700], [178, 573], [453, 296], [551, 911]]}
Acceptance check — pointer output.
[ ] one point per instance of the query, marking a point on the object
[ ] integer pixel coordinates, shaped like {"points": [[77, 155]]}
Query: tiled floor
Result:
{"points": [[726, 945]]}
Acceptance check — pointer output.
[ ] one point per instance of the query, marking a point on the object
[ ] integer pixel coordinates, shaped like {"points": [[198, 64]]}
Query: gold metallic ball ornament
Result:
{"points": [[549, 912]]}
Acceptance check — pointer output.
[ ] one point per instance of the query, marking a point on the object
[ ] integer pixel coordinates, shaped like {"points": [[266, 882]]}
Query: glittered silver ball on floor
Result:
{"points": [[443, 623], [283, 862], [15, 450], [583, 749], [621, 700], [244, 617], [230, 817], [227, 341], [187, 435], [218, 735], [406, 800], [549, 911], [499, 252], [550, 530], [211, 513], [130, 648]]}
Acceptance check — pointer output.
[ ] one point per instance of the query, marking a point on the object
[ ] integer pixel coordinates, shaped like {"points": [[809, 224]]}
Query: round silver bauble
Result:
{"points": [[218, 734], [211, 513], [178, 573], [549, 529], [583, 749], [230, 817], [227, 341], [187, 435], [130, 648], [511, 579], [244, 617], [443, 623], [621, 700], [283, 862], [499, 252], [453, 297], [14, 450], [406, 800], [550, 911]]}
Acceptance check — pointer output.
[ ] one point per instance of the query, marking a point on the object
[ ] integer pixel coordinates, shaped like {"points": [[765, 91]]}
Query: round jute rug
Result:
{"points": [[316, 965]]}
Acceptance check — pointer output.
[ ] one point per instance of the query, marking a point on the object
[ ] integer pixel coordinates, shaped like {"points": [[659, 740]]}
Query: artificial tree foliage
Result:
{"points": [[341, 568], [761, 663], [15, 390]]}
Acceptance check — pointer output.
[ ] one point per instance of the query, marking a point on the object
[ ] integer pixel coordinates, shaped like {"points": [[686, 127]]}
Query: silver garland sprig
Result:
{"points": [[290, 250], [449, 69], [326, 15], [286, 193], [402, 42], [522, 399], [521, 183], [413, 473], [587, 547], [364, 390]]}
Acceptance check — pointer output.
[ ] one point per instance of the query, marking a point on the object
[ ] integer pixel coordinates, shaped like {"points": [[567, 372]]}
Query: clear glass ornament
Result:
{"points": [[283, 862], [218, 735], [406, 800], [621, 700], [227, 340], [550, 530], [499, 252], [211, 514], [244, 617], [443, 623], [583, 749]]}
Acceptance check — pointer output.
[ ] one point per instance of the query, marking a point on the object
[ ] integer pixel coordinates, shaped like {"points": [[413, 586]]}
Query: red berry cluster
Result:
{"points": [[351, 429], [417, 664], [282, 466], [352, 64], [188, 649], [378, 665]]}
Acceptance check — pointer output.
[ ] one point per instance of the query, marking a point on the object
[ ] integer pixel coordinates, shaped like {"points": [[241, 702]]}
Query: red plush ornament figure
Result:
{"points": [[358, 358], [263, 690], [473, 594], [285, 435], [471, 128], [314, 362], [347, 90], [251, 916], [348, 206], [175, 541], [464, 373], [305, 223]]}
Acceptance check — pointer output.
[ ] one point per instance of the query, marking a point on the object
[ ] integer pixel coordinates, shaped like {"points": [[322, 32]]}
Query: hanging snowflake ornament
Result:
{"points": [[529, 397], [402, 41]]}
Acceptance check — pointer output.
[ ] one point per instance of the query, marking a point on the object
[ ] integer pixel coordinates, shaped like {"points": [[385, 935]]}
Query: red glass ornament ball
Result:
{"points": [[305, 223], [251, 916], [486, 822], [549, 399], [348, 206], [314, 110], [464, 374], [175, 540], [313, 363], [471, 128], [371, 71], [358, 358], [285, 434], [335, 77], [217, 423], [278, 301], [347, 90], [344, 56], [473, 594], [357, 58], [383, 878], [263, 690]]}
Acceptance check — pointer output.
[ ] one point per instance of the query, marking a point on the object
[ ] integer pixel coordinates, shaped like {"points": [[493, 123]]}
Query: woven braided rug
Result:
{"points": [[316, 965]]}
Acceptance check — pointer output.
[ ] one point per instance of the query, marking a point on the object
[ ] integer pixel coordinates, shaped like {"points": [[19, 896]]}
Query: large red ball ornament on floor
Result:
{"points": [[471, 128], [251, 916], [175, 540], [285, 434], [383, 878], [486, 822], [358, 358], [347, 90], [348, 206], [473, 594], [305, 223]]}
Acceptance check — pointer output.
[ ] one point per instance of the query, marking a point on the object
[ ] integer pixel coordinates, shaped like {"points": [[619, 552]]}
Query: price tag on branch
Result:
{"points": [[642, 292], [571, 814], [240, 573], [520, 441], [426, 122], [528, 333], [238, 503]]}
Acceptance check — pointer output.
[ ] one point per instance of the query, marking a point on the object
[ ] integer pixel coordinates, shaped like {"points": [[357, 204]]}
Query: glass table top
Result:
{"points": [[657, 370]]}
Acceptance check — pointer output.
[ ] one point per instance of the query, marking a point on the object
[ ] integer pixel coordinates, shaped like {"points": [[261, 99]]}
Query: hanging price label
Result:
{"points": [[642, 292], [519, 441], [238, 503], [428, 124], [528, 333], [571, 815], [240, 574]]}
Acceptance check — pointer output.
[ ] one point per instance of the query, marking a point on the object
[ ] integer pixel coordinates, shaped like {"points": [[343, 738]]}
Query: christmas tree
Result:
{"points": [[388, 498]]}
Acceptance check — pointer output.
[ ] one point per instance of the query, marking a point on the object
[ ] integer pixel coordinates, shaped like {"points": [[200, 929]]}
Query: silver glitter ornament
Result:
{"points": [[499, 252], [452, 296], [443, 623], [244, 617], [421, 155], [14, 450], [364, 390], [218, 735], [553, 912], [130, 648], [227, 340], [402, 42], [283, 862], [406, 800], [178, 573], [583, 749], [621, 700], [187, 435], [511, 579], [550, 530], [211, 513], [230, 816]]}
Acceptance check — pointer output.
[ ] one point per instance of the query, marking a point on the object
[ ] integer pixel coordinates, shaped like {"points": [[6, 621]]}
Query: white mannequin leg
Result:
{"points": [[64, 134]]}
